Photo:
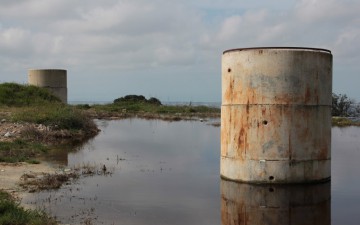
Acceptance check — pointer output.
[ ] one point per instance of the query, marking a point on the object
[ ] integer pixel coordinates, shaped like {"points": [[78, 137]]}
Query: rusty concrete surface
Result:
{"points": [[276, 115]]}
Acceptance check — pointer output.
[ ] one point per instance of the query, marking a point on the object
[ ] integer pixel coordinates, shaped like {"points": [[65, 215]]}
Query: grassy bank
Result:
{"points": [[11, 213], [138, 106], [152, 111], [30, 104], [56, 116], [21, 151]]}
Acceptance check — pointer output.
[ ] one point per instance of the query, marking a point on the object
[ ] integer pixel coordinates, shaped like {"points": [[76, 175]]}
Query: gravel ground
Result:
{"points": [[10, 131]]}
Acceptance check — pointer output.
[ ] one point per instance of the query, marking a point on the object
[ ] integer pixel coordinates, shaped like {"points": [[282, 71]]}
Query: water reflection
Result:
{"points": [[170, 175], [279, 204], [59, 154]]}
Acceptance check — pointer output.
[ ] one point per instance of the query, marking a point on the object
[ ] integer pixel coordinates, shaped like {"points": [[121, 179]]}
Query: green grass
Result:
{"points": [[21, 151], [11, 213], [143, 107], [138, 105], [12, 94], [56, 115], [343, 122]]}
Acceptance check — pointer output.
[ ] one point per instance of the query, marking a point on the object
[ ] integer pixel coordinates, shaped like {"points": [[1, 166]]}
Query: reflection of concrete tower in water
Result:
{"points": [[245, 204]]}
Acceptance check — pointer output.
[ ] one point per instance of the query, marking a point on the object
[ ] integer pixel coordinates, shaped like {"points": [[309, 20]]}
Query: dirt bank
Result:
{"points": [[10, 174]]}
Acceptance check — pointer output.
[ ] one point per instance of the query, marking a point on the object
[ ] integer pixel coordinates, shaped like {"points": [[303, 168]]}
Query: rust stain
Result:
{"points": [[307, 95], [247, 107], [241, 141], [317, 99], [323, 149], [263, 111], [316, 93], [229, 91], [224, 143], [290, 147], [304, 133], [246, 145], [323, 153]]}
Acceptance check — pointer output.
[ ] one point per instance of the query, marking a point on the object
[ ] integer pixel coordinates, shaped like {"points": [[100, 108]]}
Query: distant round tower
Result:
{"points": [[54, 80]]}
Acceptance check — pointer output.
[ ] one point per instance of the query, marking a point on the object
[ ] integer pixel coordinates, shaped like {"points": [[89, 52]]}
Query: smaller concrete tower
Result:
{"points": [[53, 79]]}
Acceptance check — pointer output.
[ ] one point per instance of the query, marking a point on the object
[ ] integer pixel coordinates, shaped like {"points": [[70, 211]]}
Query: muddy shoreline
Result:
{"points": [[11, 173]]}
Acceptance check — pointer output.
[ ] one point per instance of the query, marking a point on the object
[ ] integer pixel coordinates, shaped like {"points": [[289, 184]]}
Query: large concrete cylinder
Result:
{"points": [[276, 115], [54, 80], [245, 204]]}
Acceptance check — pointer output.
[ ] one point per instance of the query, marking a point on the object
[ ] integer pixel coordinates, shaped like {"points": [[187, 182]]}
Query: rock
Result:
{"points": [[3, 120], [8, 134]]}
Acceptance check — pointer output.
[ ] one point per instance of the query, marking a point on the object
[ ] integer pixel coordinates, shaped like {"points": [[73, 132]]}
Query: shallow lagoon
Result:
{"points": [[168, 173]]}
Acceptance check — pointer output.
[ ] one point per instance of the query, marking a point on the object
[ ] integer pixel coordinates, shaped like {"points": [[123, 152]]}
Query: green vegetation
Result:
{"points": [[57, 116], [137, 99], [343, 122], [138, 105], [12, 94], [26, 103], [21, 151], [12, 214], [340, 105], [135, 107], [344, 111]]}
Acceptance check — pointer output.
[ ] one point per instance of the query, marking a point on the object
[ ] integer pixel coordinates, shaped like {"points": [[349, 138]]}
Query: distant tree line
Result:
{"points": [[343, 106]]}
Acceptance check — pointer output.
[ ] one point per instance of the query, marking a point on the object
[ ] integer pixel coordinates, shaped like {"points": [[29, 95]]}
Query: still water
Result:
{"points": [[168, 173]]}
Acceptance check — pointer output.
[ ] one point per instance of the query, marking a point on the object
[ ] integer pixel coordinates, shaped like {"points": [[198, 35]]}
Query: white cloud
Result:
{"points": [[135, 35], [230, 28], [347, 46], [13, 38], [329, 11]]}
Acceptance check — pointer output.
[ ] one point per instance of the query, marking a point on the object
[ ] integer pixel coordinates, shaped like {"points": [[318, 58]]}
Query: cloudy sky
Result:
{"points": [[165, 48]]}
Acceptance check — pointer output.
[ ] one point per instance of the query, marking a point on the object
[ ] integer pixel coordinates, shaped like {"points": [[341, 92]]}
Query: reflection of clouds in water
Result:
{"points": [[346, 133], [345, 155], [149, 141], [345, 175]]}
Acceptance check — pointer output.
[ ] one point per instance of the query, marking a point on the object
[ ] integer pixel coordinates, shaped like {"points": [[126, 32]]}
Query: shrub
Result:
{"points": [[130, 98], [154, 101], [340, 105], [137, 99]]}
